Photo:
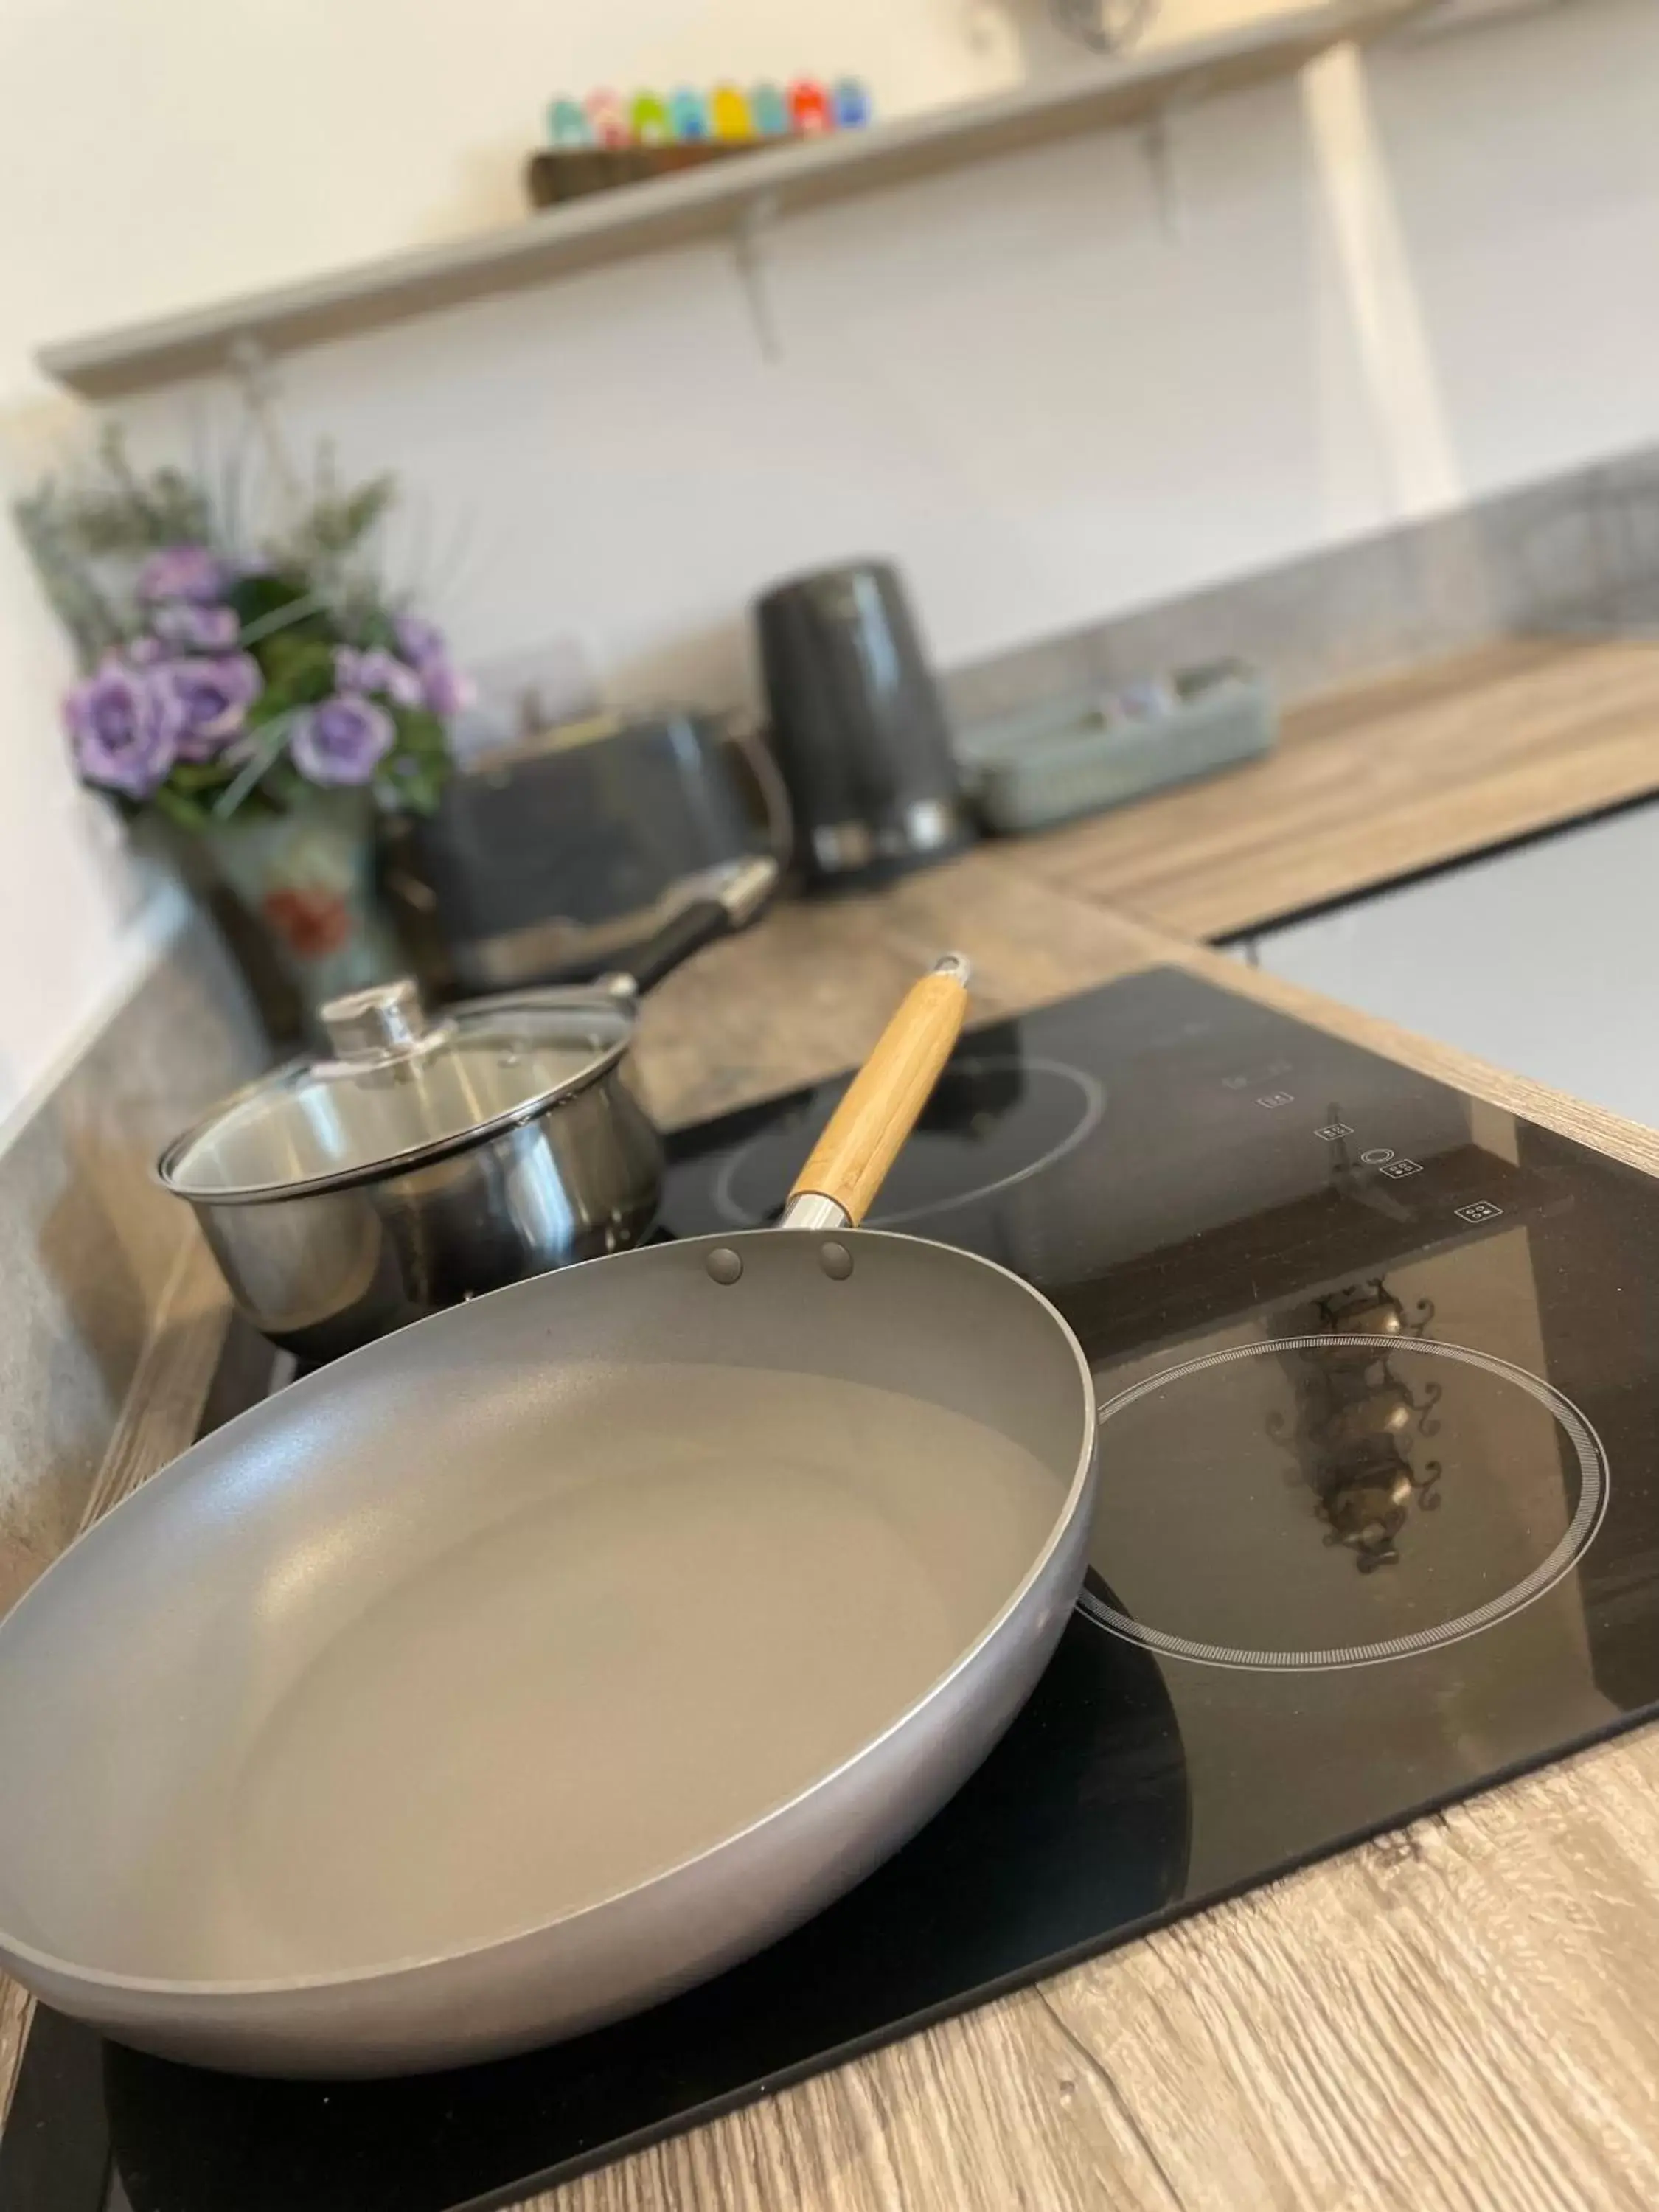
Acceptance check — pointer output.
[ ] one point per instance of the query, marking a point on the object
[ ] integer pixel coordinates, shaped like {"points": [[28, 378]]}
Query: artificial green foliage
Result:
{"points": [[165, 597]]}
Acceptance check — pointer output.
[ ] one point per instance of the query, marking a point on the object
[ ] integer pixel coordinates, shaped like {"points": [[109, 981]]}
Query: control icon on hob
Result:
{"points": [[1398, 1168], [1271, 1099], [1479, 1209], [1330, 1131]]}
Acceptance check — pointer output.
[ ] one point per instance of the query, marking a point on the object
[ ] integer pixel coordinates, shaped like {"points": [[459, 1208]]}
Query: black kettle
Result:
{"points": [[857, 726]]}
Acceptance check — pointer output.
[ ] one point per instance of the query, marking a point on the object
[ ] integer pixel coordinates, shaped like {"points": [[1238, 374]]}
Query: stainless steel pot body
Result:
{"points": [[287, 1736], [322, 1272]]}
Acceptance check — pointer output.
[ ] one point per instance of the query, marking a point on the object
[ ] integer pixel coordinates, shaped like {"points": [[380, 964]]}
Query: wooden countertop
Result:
{"points": [[1377, 783], [1462, 2014]]}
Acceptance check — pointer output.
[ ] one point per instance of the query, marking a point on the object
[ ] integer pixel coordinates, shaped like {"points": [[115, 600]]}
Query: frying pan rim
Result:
{"points": [[294, 1986]]}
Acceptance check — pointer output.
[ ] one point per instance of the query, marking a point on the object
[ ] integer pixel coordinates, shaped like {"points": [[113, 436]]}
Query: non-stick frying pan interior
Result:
{"points": [[522, 1609]]}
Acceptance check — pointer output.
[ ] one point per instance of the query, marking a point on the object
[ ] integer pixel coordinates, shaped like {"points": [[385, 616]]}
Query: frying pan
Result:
{"points": [[549, 1656]]}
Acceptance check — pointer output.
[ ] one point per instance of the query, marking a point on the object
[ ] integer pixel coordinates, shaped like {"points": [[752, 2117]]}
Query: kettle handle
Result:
{"points": [[744, 733]]}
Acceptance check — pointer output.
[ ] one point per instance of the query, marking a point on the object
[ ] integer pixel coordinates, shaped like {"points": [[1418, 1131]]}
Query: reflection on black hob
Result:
{"points": [[1234, 1469], [1358, 1425], [1379, 1522]]}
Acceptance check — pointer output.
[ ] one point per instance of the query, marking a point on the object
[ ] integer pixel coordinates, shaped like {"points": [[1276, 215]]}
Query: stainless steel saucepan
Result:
{"points": [[555, 1652], [425, 1163]]}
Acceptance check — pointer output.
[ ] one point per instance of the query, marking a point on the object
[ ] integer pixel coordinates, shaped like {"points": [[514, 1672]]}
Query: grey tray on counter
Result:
{"points": [[1079, 755]]}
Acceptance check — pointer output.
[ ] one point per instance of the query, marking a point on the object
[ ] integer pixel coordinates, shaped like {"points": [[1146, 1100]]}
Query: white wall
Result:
{"points": [[1431, 276], [158, 156], [77, 918]]}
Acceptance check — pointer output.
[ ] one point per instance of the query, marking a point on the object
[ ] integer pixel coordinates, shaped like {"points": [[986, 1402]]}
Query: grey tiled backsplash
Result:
{"points": [[1578, 551], [89, 1239]]}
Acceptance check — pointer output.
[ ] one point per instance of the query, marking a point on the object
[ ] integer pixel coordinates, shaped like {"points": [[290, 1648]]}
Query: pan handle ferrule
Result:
{"points": [[812, 1209]]}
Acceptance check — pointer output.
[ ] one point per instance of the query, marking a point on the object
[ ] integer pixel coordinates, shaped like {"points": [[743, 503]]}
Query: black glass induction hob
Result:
{"points": [[1379, 1523]]}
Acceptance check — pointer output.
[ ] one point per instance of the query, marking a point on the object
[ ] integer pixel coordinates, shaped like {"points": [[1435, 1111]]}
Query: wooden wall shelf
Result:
{"points": [[702, 204]]}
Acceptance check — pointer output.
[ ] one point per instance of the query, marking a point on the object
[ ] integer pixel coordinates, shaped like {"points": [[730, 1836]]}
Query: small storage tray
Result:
{"points": [[1077, 755]]}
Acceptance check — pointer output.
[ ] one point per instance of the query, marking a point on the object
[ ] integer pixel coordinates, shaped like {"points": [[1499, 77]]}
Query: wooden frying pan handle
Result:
{"points": [[884, 1100]]}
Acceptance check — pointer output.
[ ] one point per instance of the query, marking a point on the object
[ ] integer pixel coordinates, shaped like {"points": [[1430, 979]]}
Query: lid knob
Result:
{"points": [[387, 1017]]}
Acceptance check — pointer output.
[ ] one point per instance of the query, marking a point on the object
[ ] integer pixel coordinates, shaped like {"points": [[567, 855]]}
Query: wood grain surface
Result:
{"points": [[1375, 784], [1463, 2015]]}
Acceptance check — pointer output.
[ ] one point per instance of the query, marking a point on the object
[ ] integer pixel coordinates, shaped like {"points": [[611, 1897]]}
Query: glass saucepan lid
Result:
{"points": [[398, 1091]]}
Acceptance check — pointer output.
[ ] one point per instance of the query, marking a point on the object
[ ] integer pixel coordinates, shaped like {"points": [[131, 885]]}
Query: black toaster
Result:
{"points": [[551, 859]]}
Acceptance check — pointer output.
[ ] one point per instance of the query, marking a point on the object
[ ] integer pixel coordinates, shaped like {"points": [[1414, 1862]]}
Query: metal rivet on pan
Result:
{"points": [[723, 1265], [836, 1260]]}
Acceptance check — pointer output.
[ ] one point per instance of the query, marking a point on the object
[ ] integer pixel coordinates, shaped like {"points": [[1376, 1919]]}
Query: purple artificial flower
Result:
{"points": [[124, 724], [213, 695], [343, 741], [183, 571], [444, 690], [378, 670], [141, 652], [189, 628], [417, 639]]}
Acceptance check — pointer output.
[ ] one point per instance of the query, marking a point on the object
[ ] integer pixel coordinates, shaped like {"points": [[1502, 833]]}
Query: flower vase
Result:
{"points": [[306, 879]]}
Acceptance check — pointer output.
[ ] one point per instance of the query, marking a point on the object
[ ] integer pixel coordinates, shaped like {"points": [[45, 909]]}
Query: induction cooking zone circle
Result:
{"points": [[1327, 1501], [994, 1120]]}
